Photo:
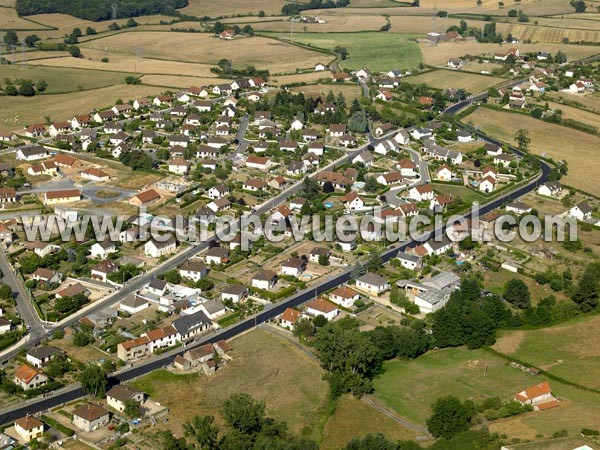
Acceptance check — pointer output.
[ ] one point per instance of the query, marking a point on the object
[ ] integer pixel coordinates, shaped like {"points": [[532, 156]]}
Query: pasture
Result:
{"points": [[18, 112], [63, 80], [410, 387], [350, 91], [577, 148], [333, 24], [260, 52], [309, 77], [179, 82], [589, 101], [201, 8], [458, 191], [10, 20], [580, 115], [442, 79], [377, 51]]}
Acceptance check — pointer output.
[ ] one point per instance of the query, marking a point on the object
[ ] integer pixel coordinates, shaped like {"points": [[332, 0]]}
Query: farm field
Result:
{"points": [[577, 148], [10, 20], [175, 81], [200, 8], [377, 51], [569, 112], [18, 112], [549, 34], [195, 47], [424, 24], [350, 91], [118, 62], [439, 54], [334, 24], [590, 101], [410, 387], [442, 79], [571, 350], [61, 80], [310, 77]]}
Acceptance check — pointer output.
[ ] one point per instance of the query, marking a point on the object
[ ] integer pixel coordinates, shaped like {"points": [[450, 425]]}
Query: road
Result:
{"points": [[241, 134]]}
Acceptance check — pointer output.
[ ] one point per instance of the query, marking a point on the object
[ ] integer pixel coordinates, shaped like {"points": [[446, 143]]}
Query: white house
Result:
{"points": [[322, 307], [216, 192], [487, 184], [90, 417], [443, 173], [234, 292], [402, 138], [193, 270], [102, 249], [372, 283], [421, 193], [121, 393], [407, 167], [352, 201], [319, 67], [156, 249], [582, 211], [550, 189], [264, 279], [409, 261], [29, 428], [344, 296], [464, 136], [289, 318], [293, 267], [420, 133]]}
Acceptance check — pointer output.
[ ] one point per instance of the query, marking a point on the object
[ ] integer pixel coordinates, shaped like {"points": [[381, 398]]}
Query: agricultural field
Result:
{"points": [[548, 34], [309, 77], [179, 82], [260, 52], [201, 8], [580, 115], [442, 79], [589, 101], [424, 24], [62, 80], [10, 20], [334, 24], [577, 148], [377, 51], [350, 91], [410, 387], [18, 112], [439, 54]]}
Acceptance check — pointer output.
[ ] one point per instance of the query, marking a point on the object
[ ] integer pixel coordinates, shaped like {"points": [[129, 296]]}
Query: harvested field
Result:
{"points": [[377, 51], [577, 148], [548, 34], [590, 100], [193, 47], [17, 112], [61, 80], [61, 21], [423, 24], [201, 8], [569, 112], [442, 79], [10, 20], [175, 81], [334, 24], [310, 77], [118, 62], [439, 54], [320, 90]]}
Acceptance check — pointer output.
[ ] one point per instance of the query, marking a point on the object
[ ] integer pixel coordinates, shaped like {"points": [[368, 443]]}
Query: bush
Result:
{"points": [[59, 426]]}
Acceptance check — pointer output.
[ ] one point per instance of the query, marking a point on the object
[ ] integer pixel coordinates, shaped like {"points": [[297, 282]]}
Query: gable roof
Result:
{"points": [[90, 412], [373, 279], [26, 373], [291, 315], [534, 391], [122, 392], [322, 305]]}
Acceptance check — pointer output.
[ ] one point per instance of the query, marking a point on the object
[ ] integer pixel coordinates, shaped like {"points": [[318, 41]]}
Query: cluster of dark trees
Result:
{"points": [[137, 160], [291, 9], [99, 9]]}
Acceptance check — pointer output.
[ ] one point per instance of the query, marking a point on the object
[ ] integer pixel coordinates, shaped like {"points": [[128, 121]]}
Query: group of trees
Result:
{"points": [[137, 160], [26, 88], [99, 9], [219, 27], [291, 9]]}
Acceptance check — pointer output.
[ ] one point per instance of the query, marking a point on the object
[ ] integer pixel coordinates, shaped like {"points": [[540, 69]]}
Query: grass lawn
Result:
{"points": [[410, 387], [571, 351], [458, 191], [561, 143], [375, 50], [442, 79], [495, 281]]}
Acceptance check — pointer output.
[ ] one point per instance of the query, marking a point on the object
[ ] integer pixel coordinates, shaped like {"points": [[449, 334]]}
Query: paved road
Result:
{"points": [[241, 134]]}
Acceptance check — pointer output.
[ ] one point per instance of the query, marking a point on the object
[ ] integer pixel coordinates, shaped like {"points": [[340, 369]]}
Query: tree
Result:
{"points": [[323, 260], [6, 292], [328, 187], [261, 13], [75, 51], [320, 321], [93, 380], [11, 90], [310, 188], [26, 89], [10, 38], [244, 414], [370, 442], [114, 26], [90, 31], [41, 86], [449, 417], [131, 23], [560, 57], [517, 293], [579, 5], [31, 40], [203, 432], [588, 289], [522, 139], [58, 365], [82, 338], [132, 408], [172, 276]]}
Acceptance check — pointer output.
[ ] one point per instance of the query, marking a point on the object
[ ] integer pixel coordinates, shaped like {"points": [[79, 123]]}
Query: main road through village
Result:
{"points": [[74, 391]]}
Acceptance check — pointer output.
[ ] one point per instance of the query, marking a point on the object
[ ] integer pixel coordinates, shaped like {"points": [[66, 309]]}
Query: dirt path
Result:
{"points": [[373, 403]]}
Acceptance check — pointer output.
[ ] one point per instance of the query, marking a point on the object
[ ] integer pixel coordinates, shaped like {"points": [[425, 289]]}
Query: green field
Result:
{"points": [[375, 50], [63, 80], [468, 195], [410, 387]]}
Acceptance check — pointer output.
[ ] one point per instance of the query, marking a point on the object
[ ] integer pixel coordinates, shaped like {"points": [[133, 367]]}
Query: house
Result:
{"points": [[45, 168], [177, 139], [113, 128], [297, 203], [278, 182], [189, 326], [156, 249], [363, 74], [65, 161], [402, 138], [204, 151], [344, 296], [8, 195], [217, 255], [254, 185], [319, 67], [130, 235], [29, 428], [293, 267], [489, 172], [421, 193], [220, 204], [46, 276], [503, 160], [193, 270], [338, 180], [102, 249], [28, 377], [264, 279], [179, 166], [227, 34], [365, 158], [42, 248], [133, 305], [31, 153], [289, 318], [5, 325], [317, 252], [161, 100], [7, 136], [258, 162], [384, 147], [40, 356], [90, 417], [464, 136], [352, 201], [440, 202], [124, 109], [35, 130], [141, 103], [455, 63], [438, 246], [518, 207], [487, 184], [234, 292], [94, 175], [348, 140], [213, 309], [104, 268], [144, 198], [408, 209], [550, 189], [119, 394], [59, 197], [420, 133], [492, 149], [443, 173], [582, 211], [322, 307], [384, 95], [295, 168], [535, 395], [340, 77], [219, 191], [407, 167], [372, 283], [410, 261], [73, 290], [337, 130]]}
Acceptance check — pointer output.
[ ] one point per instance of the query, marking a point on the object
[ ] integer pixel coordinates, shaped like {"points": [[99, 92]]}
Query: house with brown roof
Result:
{"points": [[72, 291], [344, 296], [66, 161], [193, 270], [134, 349], [258, 162], [421, 192], [179, 166], [104, 268], [121, 393], [94, 174], [293, 266], [338, 180], [44, 168], [28, 377], [8, 195], [254, 185], [144, 198], [264, 279], [372, 283], [337, 130], [322, 307], [234, 292], [537, 396], [63, 196], [90, 417], [289, 318], [45, 275], [29, 428]]}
